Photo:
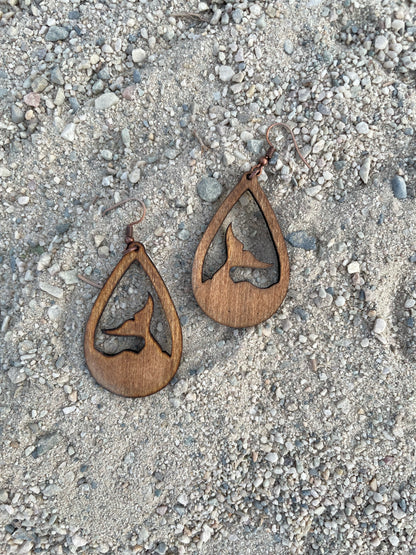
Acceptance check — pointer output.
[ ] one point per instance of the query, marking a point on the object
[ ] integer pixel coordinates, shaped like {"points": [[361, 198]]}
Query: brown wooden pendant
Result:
{"points": [[130, 373], [240, 304]]}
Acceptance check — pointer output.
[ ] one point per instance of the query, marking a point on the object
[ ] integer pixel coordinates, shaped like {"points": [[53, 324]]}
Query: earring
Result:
{"points": [[242, 304], [130, 373]]}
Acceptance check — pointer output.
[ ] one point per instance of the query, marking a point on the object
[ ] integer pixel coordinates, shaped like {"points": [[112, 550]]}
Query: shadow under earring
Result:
{"points": [[242, 304], [130, 373]]}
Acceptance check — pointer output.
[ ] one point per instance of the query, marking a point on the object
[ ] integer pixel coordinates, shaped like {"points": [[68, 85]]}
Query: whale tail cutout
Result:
{"points": [[139, 325], [237, 256]]}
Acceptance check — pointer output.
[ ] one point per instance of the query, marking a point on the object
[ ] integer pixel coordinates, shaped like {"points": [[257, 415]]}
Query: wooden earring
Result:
{"points": [[242, 304], [130, 373]]}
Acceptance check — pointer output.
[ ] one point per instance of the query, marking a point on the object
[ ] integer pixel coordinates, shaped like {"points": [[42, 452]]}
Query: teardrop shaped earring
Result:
{"points": [[242, 304], [130, 373]]}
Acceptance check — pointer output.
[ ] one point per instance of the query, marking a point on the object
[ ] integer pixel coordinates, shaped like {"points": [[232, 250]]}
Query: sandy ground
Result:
{"points": [[296, 436]]}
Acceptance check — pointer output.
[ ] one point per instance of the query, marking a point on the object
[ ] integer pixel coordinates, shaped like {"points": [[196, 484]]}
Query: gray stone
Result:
{"points": [[106, 101], [56, 33], [183, 235], [398, 184], [134, 176], [288, 47], [161, 548], [56, 292], [98, 86], [51, 490], [362, 128], [365, 169], [103, 74], [237, 15], [209, 189], [45, 443], [5, 172], [255, 146], [379, 325], [69, 132], [301, 240], [39, 84], [16, 375], [381, 42], [59, 97], [394, 540], [62, 227], [138, 55], [125, 137], [55, 312], [171, 153], [106, 154], [73, 102], [70, 277], [272, 457], [17, 114], [225, 73], [4, 496], [261, 22]]}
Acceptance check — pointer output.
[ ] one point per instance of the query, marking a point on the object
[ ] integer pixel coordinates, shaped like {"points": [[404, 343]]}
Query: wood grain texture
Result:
{"points": [[130, 373], [240, 304]]}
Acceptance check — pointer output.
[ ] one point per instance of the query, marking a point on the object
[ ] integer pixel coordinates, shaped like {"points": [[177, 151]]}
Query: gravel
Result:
{"points": [[296, 435]]}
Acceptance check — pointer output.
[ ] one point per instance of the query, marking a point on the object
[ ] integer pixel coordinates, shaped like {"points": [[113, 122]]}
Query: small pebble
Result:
{"points": [[340, 301], [17, 114], [69, 132], [138, 55], [288, 47], [70, 277], [54, 313], [272, 457], [379, 325], [32, 99], [134, 176], [353, 267], [237, 15], [209, 189], [398, 184], [52, 290], [362, 128], [301, 240], [56, 33], [381, 42], [105, 101], [23, 201], [226, 73], [365, 169], [394, 540]]}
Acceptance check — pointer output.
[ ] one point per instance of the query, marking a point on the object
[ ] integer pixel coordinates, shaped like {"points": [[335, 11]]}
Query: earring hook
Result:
{"points": [[285, 126], [129, 229], [264, 160]]}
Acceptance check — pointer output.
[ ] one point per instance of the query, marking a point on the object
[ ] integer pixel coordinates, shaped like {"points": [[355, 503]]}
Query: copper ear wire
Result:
{"points": [[132, 245], [264, 160]]}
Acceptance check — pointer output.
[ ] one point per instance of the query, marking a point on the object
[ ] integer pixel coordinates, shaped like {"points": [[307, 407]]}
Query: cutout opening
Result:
{"points": [[133, 311], [251, 244]]}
